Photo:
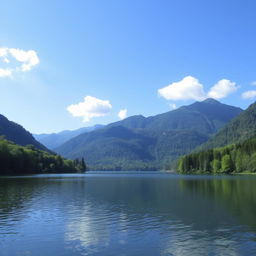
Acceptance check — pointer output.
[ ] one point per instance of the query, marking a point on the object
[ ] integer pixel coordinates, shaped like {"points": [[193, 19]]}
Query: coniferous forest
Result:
{"points": [[235, 158], [17, 160]]}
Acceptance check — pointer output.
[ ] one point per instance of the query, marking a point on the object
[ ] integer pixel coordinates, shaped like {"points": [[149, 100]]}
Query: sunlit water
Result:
{"points": [[127, 214]]}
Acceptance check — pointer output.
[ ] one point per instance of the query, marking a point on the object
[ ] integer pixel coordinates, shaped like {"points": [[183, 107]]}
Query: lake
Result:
{"points": [[127, 214]]}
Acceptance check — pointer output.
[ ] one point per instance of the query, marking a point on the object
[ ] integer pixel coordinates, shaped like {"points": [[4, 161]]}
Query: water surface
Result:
{"points": [[127, 214]]}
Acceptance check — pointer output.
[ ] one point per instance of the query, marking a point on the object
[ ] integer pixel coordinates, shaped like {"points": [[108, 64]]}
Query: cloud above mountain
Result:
{"points": [[16, 60], [189, 88], [89, 108], [122, 114], [222, 89]]}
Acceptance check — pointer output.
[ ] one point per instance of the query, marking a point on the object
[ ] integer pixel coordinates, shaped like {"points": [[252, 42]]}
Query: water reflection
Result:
{"points": [[153, 214]]}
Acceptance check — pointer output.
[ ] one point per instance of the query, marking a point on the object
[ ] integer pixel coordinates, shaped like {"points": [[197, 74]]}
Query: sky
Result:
{"points": [[70, 64]]}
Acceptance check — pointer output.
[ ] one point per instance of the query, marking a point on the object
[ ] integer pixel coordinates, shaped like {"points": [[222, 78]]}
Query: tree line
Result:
{"points": [[15, 159], [235, 158]]}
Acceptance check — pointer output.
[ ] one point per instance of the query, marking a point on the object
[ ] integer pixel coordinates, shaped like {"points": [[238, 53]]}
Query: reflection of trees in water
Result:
{"points": [[22, 195], [163, 199], [237, 194], [15, 194]]}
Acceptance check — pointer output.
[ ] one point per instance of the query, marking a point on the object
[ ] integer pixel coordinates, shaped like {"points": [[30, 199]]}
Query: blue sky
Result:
{"points": [[119, 54]]}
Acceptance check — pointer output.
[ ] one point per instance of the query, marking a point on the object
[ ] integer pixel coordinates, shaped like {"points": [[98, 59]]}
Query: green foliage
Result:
{"points": [[138, 142], [15, 159], [226, 164], [216, 165], [240, 157]]}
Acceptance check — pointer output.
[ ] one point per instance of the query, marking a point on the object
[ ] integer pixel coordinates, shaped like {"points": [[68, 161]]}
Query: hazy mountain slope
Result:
{"points": [[54, 140], [157, 141], [239, 129], [113, 144], [17, 134]]}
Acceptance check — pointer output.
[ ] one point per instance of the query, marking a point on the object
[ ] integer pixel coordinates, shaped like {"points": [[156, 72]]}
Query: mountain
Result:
{"points": [[17, 134], [206, 117], [54, 140], [238, 130], [152, 142]]}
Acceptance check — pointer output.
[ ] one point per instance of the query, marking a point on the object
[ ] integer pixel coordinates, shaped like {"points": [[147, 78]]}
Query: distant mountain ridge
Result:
{"points": [[17, 134], [54, 140], [206, 117], [150, 142]]}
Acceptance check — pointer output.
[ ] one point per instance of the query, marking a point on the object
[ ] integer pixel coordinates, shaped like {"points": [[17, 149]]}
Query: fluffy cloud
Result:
{"points": [[249, 94], [28, 58], [188, 88], [3, 52], [89, 108], [25, 60], [222, 89], [122, 114]]}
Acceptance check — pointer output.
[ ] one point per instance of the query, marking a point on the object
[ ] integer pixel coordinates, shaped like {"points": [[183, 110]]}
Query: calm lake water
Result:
{"points": [[127, 214]]}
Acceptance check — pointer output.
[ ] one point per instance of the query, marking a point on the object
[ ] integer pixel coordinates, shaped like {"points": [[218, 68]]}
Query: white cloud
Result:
{"points": [[253, 83], [122, 114], [222, 89], [3, 52], [188, 88], [89, 108], [21, 60], [5, 72], [28, 58], [249, 94], [173, 106]]}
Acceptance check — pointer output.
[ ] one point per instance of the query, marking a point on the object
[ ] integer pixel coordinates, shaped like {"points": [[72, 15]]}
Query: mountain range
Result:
{"points": [[54, 140], [139, 142]]}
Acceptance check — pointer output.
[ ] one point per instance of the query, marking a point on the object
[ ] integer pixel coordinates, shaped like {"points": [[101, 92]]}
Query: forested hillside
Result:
{"points": [[240, 157], [239, 129], [17, 134], [15, 160]]}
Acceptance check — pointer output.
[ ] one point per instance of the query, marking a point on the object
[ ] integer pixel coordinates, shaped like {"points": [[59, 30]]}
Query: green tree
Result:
{"points": [[226, 164], [216, 165]]}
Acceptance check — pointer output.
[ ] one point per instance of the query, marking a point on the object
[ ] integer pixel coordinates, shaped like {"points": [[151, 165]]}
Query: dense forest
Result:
{"points": [[15, 159], [235, 158]]}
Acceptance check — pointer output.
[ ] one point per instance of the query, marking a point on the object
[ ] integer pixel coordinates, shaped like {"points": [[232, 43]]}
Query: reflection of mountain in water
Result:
{"points": [[121, 206], [149, 214]]}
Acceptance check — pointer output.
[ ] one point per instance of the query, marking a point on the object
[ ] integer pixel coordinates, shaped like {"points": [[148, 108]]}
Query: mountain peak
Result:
{"points": [[211, 101]]}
